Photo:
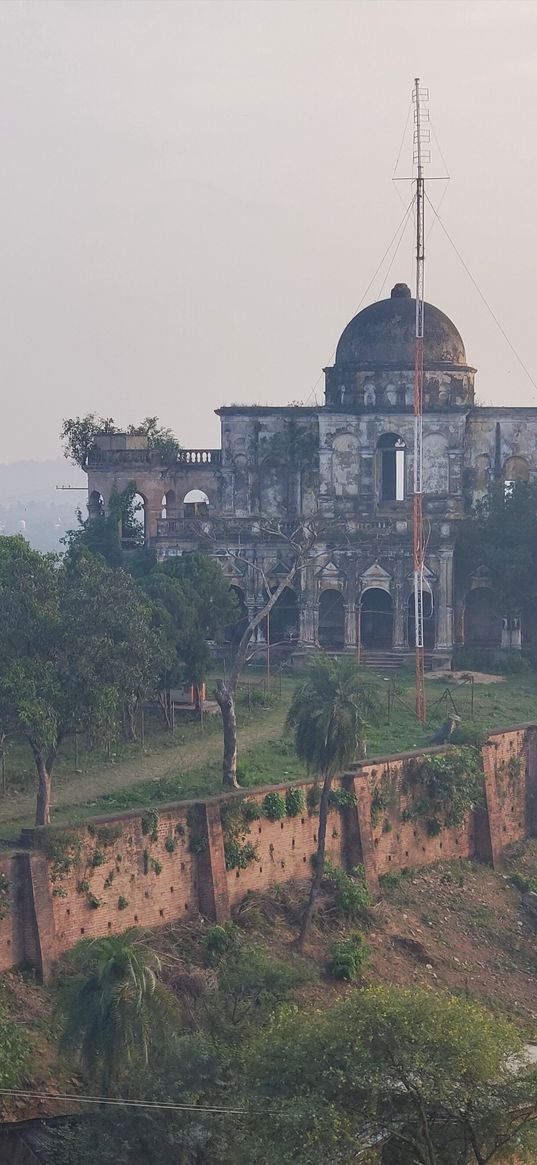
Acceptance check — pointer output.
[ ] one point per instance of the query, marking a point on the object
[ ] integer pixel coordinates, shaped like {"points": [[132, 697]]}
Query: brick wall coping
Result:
{"points": [[27, 834]]}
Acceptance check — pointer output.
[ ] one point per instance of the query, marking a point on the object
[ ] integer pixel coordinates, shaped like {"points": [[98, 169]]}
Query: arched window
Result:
{"points": [[168, 503], [95, 504], [134, 522], [282, 624], [195, 504], [515, 469], [391, 453]]}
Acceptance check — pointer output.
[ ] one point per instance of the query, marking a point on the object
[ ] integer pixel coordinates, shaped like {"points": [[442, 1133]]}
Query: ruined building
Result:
{"points": [[347, 465]]}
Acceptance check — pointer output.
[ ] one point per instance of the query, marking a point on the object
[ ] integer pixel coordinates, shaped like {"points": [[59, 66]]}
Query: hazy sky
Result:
{"points": [[194, 197]]}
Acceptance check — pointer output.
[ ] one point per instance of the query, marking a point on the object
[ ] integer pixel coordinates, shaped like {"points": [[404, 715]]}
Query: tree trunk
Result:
{"points": [[319, 862], [225, 700], [129, 720], [44, 784], [164, 703]]}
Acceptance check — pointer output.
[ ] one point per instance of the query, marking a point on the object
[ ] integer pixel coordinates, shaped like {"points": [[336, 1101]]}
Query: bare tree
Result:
{"points": [[300, 543]]}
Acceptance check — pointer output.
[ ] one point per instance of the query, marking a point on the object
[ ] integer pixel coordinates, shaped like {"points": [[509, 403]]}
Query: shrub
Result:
{"points": [[150, 824], [313, 798], [340, 798], [15, 1060], [350, 893], [122, 902], [83, 887], [169, 845], [524, 883], [94, 902], [250, 811], [473, 735], [433, 826], [106, 834], [156, 865], [198, 837], [274, 806], [295, 802], [219, 941], [349, 957], [59, 892], [4, 895], [97, 858], [239, 854]]}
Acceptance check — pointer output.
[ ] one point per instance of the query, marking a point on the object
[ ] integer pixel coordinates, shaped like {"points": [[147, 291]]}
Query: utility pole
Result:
{"points": [[421, 136]]}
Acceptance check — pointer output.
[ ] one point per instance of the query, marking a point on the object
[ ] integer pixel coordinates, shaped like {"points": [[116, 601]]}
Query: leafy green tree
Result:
{"points": [[113, 1008], [76, 646], [406, 1077], [501, 534], [329, 714], [78, 436]]}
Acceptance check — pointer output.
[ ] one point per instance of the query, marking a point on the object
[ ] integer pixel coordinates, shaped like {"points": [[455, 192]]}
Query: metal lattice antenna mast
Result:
{"points": [[421, 136]]}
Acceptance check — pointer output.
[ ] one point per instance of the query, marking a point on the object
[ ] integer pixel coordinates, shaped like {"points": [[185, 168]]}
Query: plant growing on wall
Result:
{"points": [[236, 818], [449, 785]]}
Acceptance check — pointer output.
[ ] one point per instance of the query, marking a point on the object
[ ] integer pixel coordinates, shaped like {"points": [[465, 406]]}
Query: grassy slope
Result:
{"points": [[189, 765]]}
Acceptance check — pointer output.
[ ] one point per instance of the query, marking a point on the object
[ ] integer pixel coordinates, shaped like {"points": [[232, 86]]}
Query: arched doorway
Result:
{"points": [[331, 620], [429, 637], [482, 624], [376, 619], [283, 619], [134, 522], [234, 632]]}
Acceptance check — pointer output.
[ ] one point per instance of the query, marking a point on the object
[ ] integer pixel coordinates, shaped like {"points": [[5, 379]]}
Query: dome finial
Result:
{"points": [[401, 291]]}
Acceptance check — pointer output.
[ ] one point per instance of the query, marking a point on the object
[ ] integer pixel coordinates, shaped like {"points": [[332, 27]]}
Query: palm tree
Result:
{"points": [[112, 1006], [329, 713]]}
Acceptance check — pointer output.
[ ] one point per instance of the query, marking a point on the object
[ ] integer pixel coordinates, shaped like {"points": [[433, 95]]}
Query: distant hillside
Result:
{"points": [[31, 505]]}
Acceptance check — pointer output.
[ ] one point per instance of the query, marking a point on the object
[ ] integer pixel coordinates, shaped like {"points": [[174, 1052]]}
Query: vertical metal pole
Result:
{"points": [[268, 651], [418, 546]]}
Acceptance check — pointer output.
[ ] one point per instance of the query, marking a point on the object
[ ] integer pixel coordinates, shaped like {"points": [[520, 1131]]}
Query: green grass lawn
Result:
{"points": [[188, 764]]}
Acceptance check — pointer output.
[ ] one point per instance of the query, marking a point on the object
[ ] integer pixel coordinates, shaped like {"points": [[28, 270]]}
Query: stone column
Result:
{"points": [[444, 627], [399, 613], [306, 632], [350, 627]]}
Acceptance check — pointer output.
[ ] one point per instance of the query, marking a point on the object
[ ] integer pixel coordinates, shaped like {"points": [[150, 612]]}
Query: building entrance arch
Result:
{"points": [[482, 624], [376, 619], [331, 620]]}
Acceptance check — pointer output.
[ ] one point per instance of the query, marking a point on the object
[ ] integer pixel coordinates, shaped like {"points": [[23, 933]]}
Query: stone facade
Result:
{"points": [[348, 466]]}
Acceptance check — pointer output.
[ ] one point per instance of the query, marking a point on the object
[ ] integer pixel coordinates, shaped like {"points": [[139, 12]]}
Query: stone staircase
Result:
{"points": [[389, 661]]}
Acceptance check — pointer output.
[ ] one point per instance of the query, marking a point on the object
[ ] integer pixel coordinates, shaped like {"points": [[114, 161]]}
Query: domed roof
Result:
{"points": [[383, 335]]}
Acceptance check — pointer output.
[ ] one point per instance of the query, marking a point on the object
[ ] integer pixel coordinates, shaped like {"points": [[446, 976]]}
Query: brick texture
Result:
{"points": [[151, 868]]}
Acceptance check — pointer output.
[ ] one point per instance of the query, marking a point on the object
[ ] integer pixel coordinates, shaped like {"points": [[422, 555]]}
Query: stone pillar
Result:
{"points": [[350, 627], [493, 808], [444, 627], [399, 616], [212, 874], [306, 632], [315, 621]]}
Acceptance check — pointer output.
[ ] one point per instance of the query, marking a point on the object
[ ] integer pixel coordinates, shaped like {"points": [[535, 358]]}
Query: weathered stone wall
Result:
{"points": [[147, 869]]}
